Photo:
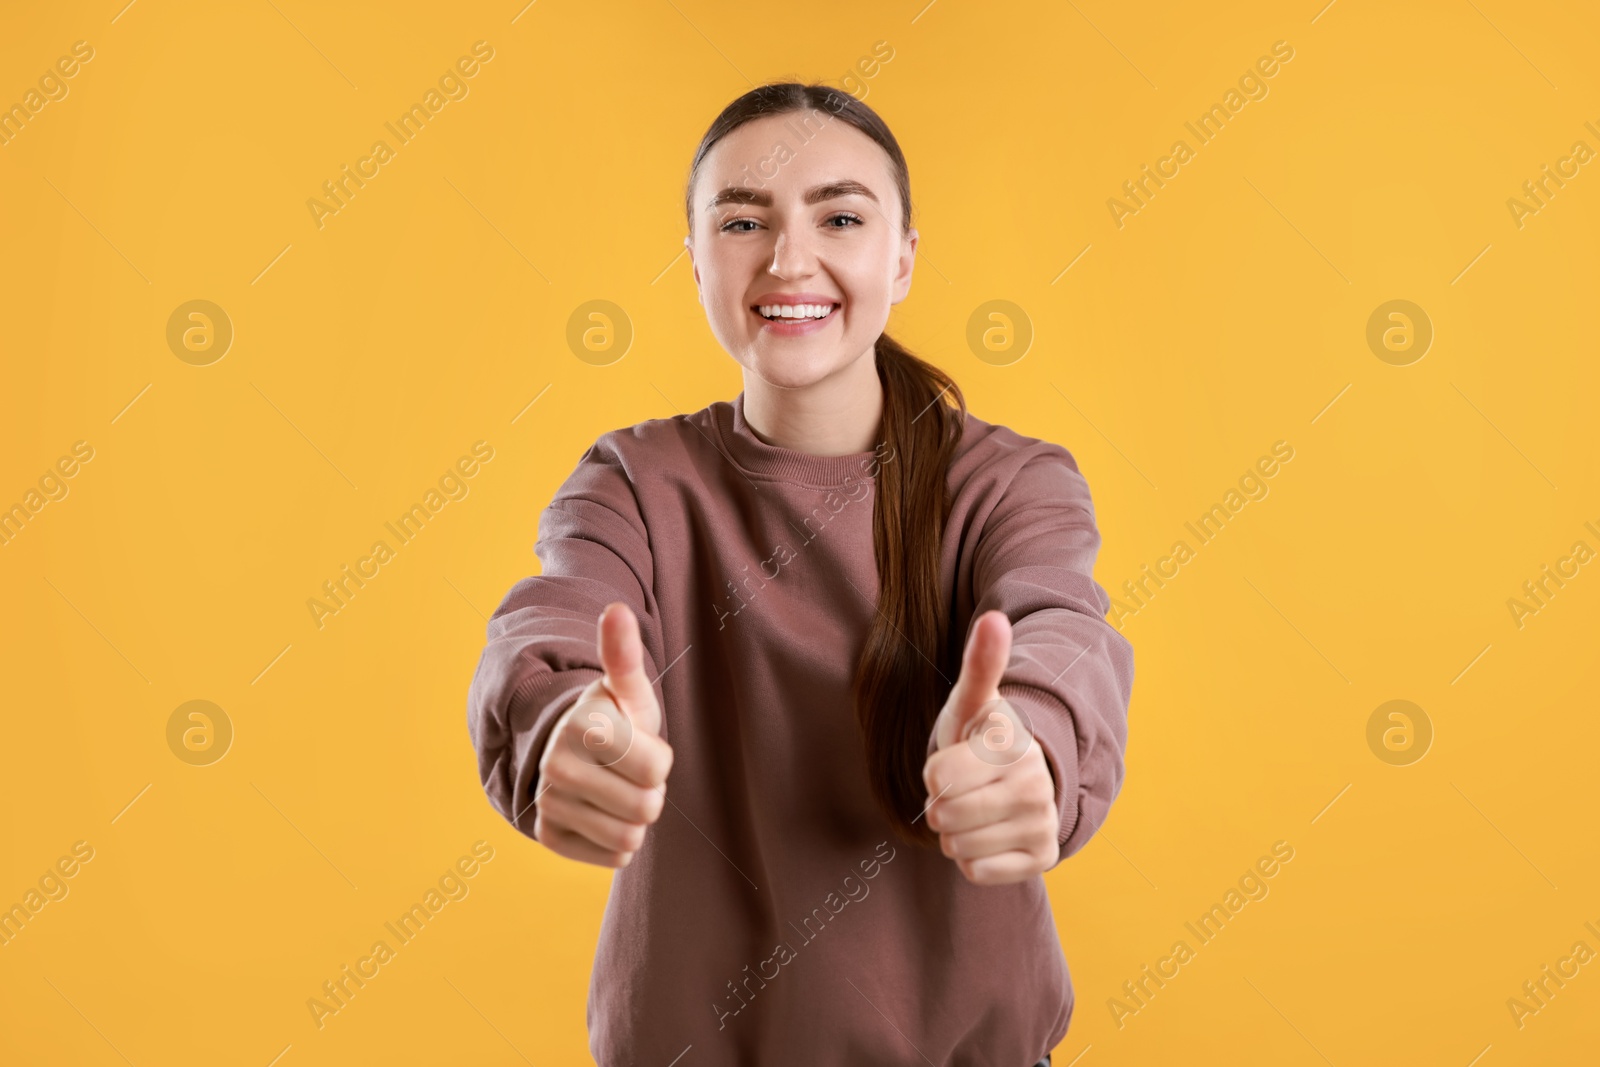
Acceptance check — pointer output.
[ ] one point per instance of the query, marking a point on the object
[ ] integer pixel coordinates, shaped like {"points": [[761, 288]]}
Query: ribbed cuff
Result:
{"points": [[1050, 721], [537, 703]]}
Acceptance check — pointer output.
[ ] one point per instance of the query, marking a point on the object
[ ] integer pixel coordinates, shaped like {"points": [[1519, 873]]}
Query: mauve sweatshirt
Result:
{"points": [[771, 917]]}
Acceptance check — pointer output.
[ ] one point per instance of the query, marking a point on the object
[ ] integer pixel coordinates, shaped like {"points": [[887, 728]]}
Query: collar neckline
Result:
{"points": [[756, 456]]}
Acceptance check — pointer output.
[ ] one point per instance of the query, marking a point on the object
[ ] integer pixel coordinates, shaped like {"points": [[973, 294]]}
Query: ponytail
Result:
{"points": [[905, 672]]}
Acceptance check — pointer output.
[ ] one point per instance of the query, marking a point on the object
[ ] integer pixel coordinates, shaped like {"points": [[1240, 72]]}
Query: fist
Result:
{"points": [[993, 797], [603, 769]]}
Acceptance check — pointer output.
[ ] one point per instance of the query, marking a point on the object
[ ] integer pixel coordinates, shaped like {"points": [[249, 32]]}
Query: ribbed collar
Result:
{"points": [[802, 468]]}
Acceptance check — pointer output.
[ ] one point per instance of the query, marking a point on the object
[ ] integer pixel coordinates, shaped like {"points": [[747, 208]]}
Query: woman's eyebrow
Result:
{"points": [[814, 195]]}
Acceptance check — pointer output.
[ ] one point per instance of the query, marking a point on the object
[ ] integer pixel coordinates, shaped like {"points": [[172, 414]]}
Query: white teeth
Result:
{"points": [[795, 311]]}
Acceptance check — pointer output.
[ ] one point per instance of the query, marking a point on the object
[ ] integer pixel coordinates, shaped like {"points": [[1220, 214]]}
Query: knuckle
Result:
{"points": [[551, 805], [653, 773], [650, 806], [559, 771], [636, 809]]}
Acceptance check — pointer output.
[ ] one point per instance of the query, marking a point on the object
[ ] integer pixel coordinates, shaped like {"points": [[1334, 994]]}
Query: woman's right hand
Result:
{"points": [[602, 772]]}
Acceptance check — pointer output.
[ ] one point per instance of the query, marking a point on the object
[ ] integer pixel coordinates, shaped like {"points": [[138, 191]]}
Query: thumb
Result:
{"points": [[983, 663], [622, 660]]}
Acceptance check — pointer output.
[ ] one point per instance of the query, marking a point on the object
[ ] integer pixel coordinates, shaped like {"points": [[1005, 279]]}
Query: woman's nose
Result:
{"points": [[792, 254]]}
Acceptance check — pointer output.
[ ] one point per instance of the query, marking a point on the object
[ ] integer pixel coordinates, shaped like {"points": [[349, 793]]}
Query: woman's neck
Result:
{"points": [[837, 416]]}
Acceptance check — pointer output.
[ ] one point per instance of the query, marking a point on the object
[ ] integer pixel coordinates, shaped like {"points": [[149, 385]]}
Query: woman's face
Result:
{"points": [[814, 222]]}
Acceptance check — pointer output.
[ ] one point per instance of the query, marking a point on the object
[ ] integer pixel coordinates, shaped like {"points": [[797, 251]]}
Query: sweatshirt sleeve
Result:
{"points": [[541, 650], [1071, 672]]}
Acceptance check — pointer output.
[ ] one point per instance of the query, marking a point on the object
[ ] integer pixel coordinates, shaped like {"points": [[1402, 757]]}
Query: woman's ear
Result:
{"points": [[908, 260], [688, 242]]}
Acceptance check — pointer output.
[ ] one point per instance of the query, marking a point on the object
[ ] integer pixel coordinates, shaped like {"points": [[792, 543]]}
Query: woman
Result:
{"points": [[767, 671]]}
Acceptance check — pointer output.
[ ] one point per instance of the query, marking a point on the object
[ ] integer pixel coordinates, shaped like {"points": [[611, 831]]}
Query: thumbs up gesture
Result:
{"points": [[992, 794], [602, 771]]}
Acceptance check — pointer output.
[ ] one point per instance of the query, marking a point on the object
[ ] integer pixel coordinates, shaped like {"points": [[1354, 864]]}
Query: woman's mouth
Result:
{"points": [[791, 319]]}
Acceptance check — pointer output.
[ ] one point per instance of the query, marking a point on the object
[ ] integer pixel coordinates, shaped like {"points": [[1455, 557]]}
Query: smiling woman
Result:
{"points": [[825, 383], [869, 695]]}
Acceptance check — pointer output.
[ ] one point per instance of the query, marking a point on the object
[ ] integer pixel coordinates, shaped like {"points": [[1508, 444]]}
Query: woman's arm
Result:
{"points": [[1070, 673], [593, 548]]}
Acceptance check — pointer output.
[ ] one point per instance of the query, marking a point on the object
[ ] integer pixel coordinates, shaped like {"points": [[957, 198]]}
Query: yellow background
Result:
{"points": [[369, 354]]}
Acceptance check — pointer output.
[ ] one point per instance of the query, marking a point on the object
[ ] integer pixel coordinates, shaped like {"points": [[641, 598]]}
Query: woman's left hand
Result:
{"points": [[993, 793]]}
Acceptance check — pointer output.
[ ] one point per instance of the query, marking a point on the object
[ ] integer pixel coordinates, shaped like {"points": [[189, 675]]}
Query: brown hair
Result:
{"points": [[905, 671]]}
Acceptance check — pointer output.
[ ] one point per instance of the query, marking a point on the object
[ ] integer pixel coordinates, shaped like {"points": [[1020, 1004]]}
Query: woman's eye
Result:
{"points": [[729, 227]]}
